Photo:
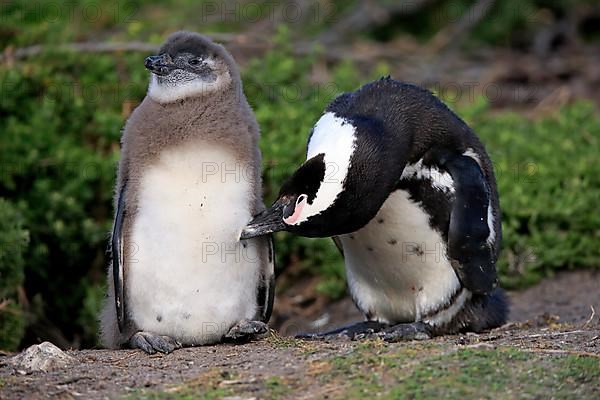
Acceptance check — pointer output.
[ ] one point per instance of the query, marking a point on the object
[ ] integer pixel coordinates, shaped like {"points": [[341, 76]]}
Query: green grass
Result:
{"points": [[216, 384], [547, 176], [432, 371], [504, 373], [208, 386], [418, 371], [276, 388]]}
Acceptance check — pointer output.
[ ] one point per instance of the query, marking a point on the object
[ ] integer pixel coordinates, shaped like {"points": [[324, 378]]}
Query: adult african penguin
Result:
{"points": [[407, 190], [188, 181]]}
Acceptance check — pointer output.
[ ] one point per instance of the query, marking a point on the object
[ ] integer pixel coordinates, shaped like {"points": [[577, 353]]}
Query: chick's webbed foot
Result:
{"points": [[246, 330], [151, 343]]}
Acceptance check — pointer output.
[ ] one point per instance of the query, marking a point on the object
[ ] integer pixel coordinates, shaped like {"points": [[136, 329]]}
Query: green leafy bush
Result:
{"points": [[509, 23], [61, 115], [13, 243], [60, 126], [549, 184], [546, 172], [287, 103]]}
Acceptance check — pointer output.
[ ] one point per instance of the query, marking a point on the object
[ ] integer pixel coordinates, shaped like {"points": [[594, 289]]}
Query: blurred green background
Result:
{"points": [[521, 73]]}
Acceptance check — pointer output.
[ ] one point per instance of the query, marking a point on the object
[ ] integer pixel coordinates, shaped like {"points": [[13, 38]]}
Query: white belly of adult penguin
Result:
{"points": [[188, 182], [408, 192]]}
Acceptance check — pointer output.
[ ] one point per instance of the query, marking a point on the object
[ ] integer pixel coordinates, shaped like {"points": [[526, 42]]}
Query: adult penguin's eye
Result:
{"points": [[301, 198], [194, 61]]}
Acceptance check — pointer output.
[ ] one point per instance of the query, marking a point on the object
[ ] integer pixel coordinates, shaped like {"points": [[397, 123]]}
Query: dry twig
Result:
{"points": [[590, 318], [11, 54], [541, 335], [556, 351], [453, 33], [4, 304], [370, 14]]}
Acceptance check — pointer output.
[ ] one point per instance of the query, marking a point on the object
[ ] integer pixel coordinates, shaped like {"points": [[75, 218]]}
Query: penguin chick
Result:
{"points": [[408, 192], [188, 181]]}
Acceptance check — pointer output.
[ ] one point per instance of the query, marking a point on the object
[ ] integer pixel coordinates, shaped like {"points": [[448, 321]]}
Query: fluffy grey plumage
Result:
{"points": [[195, 101]]}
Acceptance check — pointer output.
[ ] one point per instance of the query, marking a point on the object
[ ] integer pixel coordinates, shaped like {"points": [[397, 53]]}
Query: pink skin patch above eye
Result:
{"points": [[291, 220]]}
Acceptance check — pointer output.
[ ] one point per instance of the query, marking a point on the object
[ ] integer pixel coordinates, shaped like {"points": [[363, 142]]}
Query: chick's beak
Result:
{"points": [[268, 221], [159, 65]]}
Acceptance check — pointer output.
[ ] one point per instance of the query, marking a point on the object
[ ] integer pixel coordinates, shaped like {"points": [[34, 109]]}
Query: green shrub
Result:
{"points": [[509, 23], [61, 118], [13, 243], [549, 184], [547, 208], [61, 115], [286, 105], [546, 171]]}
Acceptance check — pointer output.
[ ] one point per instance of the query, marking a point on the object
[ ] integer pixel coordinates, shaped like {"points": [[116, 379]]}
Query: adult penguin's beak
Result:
{"points": [[268, 221]]}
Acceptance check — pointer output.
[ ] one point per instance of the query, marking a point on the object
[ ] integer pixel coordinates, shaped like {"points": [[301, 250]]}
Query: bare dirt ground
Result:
{"points": [[550, 349]]}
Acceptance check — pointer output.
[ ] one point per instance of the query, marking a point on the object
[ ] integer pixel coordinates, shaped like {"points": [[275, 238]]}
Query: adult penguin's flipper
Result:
{"points": [[338, 244], [469, 232]]}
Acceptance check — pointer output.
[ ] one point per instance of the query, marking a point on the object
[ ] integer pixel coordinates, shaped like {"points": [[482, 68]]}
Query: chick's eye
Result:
{"points": [[194, 61]]}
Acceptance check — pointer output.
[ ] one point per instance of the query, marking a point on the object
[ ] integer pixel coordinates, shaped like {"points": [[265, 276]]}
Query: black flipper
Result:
{"points": [[338, 244], [266, 289], [472, 256], [118, 264], [246, 330]]}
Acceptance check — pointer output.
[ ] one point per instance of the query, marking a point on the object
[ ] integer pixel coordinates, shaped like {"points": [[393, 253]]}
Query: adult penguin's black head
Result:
{"points": [[340, 186], [291, 210], [189, 65]]}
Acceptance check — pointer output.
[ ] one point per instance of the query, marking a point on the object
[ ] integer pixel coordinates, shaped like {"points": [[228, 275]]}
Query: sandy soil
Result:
{"points": [[258, 369]]}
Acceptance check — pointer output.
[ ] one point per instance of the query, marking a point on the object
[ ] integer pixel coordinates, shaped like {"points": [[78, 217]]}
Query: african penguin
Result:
{"points": [[407, 190], [188, 181]]}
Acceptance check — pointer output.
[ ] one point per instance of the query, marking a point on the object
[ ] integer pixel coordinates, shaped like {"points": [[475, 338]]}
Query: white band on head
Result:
{"points": [[335, 138], [164, 93]]}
